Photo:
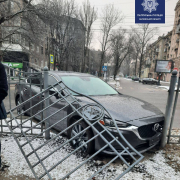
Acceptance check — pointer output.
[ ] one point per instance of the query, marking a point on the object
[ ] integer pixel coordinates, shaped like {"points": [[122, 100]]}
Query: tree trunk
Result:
{"points": [[135, 65], [140, 66], [101, 63]]}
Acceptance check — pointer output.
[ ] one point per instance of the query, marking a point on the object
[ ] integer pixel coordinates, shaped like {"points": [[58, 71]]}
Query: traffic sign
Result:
{"points": [[104, 68], [175, 69], [51, 59]]}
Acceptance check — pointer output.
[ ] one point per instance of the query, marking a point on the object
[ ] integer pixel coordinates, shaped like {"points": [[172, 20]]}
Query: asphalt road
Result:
{"points": [[150, 93]]}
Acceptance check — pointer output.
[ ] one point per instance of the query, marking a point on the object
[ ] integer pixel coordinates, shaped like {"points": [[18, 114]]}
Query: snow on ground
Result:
{"points": [[154, 167], [115, 84], [157, 165], [163, 87], [128, 79]]}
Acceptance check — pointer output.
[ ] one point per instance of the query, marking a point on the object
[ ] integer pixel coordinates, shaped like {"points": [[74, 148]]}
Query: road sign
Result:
{"points": [[104, 68], [175, 69], [51, 59]]}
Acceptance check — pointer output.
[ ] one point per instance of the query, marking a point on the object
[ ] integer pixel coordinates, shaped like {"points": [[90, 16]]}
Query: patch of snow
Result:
{"points": [[153, 168], [128, 79]]}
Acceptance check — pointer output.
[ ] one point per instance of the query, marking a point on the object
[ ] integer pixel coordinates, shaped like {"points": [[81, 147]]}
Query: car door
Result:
{"points": [[32, 88], [60, 106]]}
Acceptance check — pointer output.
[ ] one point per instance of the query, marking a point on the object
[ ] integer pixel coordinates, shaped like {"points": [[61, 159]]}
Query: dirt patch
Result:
{"points": [[172, 154]]}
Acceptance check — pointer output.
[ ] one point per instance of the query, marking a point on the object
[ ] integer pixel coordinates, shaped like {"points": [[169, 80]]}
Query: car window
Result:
{"points": [[88, 85], [34, 80], [51, 80]]}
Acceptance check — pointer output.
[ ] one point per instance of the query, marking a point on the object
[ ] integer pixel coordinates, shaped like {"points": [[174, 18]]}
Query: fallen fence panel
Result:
{"points": [[84, 124]]}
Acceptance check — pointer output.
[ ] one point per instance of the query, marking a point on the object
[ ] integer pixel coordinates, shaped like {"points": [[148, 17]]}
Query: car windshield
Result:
{"points": [[91, 86]]}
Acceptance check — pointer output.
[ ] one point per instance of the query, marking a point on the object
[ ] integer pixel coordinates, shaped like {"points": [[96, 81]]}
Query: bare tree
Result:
{"points": [[88, 15], [144, 34], [136, 53], [19, 24], [110, 18], [121, 47], [5, 9], [64, 30]]}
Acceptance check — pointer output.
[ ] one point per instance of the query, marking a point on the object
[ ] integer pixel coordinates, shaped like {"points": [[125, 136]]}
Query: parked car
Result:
{"points": [[135, 79], [140, 122], [149, 81], [129, 77]]}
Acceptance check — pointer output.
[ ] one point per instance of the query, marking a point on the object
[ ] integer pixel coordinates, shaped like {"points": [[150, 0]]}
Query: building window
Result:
{"points": [[26, 43], [41, 49], [32, 47], [37, 49], [15, 39]]}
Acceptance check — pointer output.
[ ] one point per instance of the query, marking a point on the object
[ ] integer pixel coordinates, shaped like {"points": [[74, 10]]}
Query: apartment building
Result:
{"points": [[28, 41]]}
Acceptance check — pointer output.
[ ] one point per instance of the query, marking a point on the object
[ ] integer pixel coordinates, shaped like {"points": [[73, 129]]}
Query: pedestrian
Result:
{"points": [[3, 94], [3, 91]]}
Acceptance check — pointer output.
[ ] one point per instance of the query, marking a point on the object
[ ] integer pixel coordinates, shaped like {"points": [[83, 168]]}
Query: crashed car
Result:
{"points": [[140, 122]]}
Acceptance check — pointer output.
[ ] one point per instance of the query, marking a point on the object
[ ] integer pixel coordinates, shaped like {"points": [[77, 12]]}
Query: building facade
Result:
{"points": [[165, 48], [27, 41]]}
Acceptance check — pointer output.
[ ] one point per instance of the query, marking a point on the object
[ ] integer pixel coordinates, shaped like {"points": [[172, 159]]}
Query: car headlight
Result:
{"points": [[110, 123]]}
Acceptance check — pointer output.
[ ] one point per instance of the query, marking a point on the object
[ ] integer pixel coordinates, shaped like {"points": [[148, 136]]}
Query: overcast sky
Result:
{"points": [[128, 9]]}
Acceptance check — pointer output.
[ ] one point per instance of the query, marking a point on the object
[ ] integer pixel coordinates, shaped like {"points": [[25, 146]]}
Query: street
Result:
{"points": [[150, 93]]}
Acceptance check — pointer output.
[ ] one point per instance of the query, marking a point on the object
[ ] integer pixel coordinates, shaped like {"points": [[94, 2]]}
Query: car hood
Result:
{"points": [[128, 109]]}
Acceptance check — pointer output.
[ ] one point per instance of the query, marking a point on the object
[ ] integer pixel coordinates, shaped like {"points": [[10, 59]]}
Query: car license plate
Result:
{"points": [[154, 141]]}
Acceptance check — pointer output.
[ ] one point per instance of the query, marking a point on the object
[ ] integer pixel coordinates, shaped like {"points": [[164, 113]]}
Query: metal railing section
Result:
{"points": [[65, 112], [174, 138], [17, 78]]}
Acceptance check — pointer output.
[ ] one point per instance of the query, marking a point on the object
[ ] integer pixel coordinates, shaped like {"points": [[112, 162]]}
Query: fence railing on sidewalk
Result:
{"points": [[169, 134], [16, 79], [83, 123]]}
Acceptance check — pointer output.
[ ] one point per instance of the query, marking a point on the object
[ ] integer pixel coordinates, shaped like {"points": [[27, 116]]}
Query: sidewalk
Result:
{"points": [[157, 164]]}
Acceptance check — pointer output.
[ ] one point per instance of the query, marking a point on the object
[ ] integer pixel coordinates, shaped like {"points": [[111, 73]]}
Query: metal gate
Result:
{"points": [[91, 118], [18, 78]]}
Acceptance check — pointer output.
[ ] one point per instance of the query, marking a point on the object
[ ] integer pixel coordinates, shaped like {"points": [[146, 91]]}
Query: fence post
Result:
{"points": [[174, 109], [168, 108], [46, 103]]}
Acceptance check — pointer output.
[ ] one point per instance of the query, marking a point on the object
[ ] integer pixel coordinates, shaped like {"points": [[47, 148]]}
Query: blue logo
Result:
{"points": [[149, 11]]}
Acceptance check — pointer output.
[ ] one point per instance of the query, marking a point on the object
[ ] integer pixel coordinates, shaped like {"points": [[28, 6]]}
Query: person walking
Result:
{"points": [[3, 94], [3, 91]]}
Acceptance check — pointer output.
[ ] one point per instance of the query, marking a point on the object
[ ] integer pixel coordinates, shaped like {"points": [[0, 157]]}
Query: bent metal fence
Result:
{"points": [[83, 119], [18, 79]]}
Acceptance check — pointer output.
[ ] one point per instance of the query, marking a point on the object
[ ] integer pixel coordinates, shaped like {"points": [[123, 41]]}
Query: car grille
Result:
{"points": [[147, 131]]}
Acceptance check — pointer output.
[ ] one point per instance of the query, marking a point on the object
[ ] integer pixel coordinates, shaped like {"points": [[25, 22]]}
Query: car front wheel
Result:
{"points": [[20, 110], [82, 138]]}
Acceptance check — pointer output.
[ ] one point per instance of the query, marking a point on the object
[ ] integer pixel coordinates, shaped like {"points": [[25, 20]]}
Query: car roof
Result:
{"points": [[70, 73]]}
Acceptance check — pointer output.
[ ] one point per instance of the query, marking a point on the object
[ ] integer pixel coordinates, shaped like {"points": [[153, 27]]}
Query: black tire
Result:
{"points": [[20, 110], [80, 139]]}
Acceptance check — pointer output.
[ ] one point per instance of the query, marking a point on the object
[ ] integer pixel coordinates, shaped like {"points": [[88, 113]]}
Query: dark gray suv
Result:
{"points": [[140, 122]]}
